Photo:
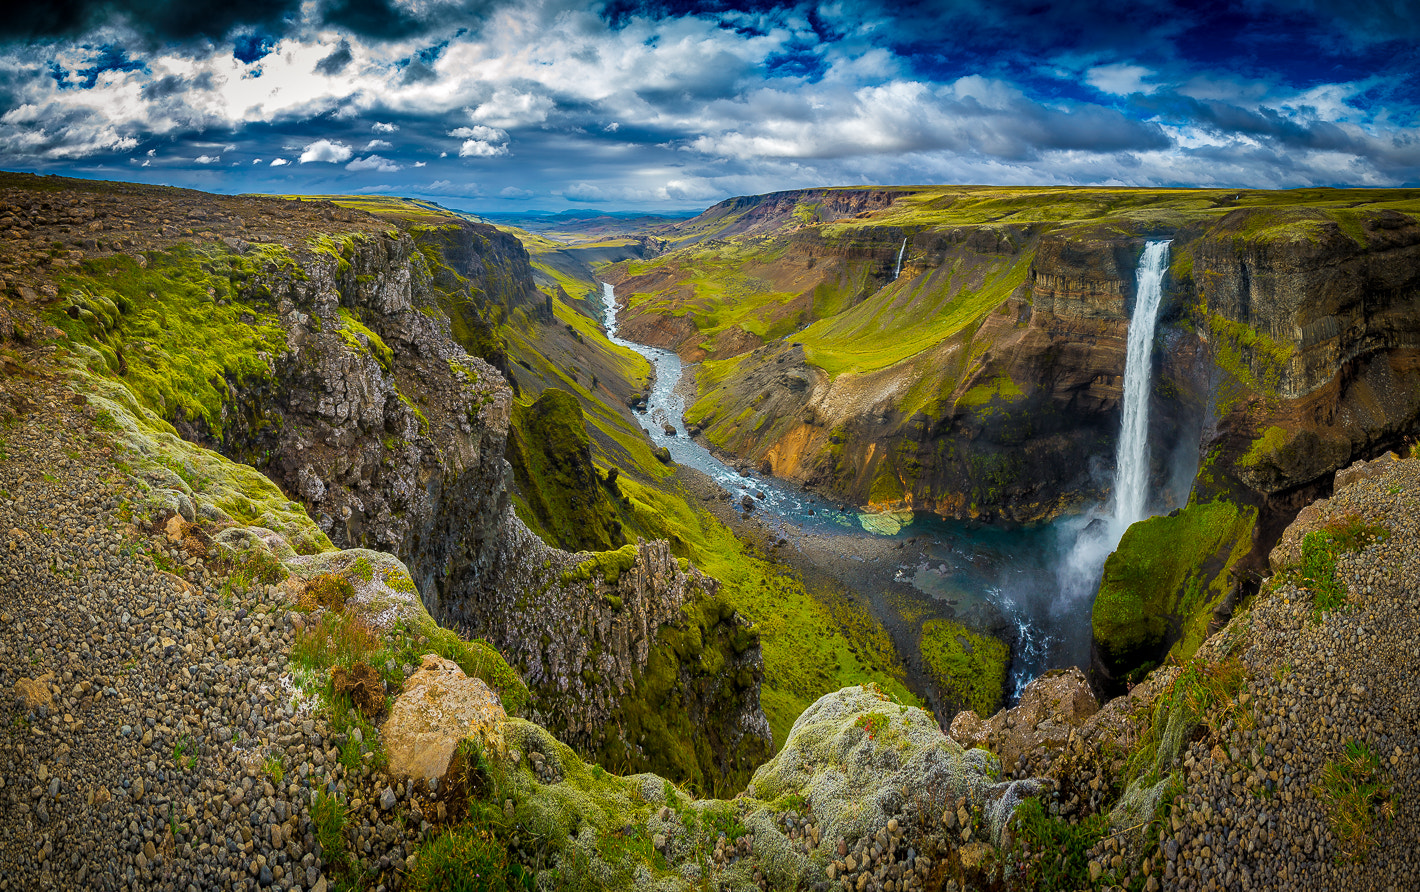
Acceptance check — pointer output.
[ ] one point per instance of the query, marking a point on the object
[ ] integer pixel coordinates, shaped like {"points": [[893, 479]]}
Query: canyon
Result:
{"points": [[401, 443]]}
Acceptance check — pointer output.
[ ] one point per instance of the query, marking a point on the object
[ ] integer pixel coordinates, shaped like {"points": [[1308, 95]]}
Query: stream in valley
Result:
{"points": [[992, 579]]}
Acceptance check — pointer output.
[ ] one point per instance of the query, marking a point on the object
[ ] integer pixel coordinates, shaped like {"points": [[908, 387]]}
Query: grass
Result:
{"points": [[1052, 853], [1354, 792], [1203, 693], [328, 815], [1320, 549], [968, 669], [909, 316], [185, 752]]}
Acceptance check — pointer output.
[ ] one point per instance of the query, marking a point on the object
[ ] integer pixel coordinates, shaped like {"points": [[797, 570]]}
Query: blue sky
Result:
{"points": [[518, 106]]}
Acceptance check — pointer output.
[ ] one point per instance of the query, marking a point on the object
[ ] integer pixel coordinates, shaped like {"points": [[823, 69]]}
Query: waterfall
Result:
{"points": [[1079, 572], [900, 251], [1131, 474]]}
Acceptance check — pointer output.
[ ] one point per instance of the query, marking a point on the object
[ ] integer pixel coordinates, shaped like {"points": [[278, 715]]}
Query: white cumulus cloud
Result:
{"points": [[373, 162], [207, 159], [381, 127], [278, 162], [327, 151]]}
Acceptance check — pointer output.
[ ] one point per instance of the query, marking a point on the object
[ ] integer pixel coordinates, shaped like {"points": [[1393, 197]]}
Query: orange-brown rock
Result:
{"points": [[1052, 707], [440, 707]]}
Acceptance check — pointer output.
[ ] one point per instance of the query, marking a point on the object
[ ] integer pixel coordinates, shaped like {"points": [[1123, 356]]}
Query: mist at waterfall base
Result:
{"points": [[1033, 586]]}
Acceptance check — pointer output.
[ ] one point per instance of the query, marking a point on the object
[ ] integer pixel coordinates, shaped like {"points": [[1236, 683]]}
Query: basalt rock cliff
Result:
{"points": [[364, 407]]}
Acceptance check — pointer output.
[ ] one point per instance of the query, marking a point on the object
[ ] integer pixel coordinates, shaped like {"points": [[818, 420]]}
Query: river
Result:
{"points": [[991, 578]]}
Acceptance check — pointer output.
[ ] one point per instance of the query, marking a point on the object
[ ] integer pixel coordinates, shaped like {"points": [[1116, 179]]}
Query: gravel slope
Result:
{"points": [[144, 711], [1253, 816]]}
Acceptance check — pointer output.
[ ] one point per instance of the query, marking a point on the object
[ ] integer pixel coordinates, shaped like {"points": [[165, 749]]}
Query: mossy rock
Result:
{"points": [[561, 495], [1161, 584]]}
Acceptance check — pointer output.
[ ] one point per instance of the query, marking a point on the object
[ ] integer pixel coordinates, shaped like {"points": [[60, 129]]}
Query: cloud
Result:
{"points": [[374, 144], [279, 162], [373, 162], [381, 127], [327, 151], [337, 61], [515, 193], [207, 159], [420, 163], [1120, 79], [477, 148]]}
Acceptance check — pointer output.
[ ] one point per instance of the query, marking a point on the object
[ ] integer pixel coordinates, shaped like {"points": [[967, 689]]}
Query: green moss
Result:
{"points": [[968, 669], [560, 493], [362, 570], [608, 565], [178, 330], [1162, 582], [692, 671], [361, 339], [1265, 446], [1250, 356], [399, 580], [1001, 387]]}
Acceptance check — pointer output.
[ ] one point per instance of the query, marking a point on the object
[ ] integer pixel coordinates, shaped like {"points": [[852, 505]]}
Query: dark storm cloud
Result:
{"points": [[183, 20], [163, 20], [173, 85], [648, 102], [336, 62]]}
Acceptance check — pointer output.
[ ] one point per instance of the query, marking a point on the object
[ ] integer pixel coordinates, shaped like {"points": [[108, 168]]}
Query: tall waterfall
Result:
{"points": [[1131, 474], [1099, 532], [900, 251]]}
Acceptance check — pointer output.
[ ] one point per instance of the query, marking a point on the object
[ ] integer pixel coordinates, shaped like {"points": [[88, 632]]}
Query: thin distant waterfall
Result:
{"points": [[900, 251], [1131, 474]]}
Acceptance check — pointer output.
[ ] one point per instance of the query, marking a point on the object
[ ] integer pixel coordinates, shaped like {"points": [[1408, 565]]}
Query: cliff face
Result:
{"points": [[1316, 330], [362, 405], [1287, 339], [1012, 415]]}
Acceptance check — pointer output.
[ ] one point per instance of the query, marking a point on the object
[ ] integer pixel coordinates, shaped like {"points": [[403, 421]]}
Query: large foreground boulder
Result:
{"points": [[440, 708]]}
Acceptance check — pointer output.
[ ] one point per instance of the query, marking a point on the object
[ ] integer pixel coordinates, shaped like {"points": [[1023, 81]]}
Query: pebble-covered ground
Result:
{"points": [[150, 734], [1255, 814]]}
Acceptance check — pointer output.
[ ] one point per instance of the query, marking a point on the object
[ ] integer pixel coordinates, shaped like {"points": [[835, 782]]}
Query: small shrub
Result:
{"points": [[1053, 853], [872, 723], [327, 591], [1353, 793]]}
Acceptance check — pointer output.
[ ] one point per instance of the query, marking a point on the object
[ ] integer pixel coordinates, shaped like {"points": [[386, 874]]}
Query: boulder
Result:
{"points": [[1050, 708], [440, 707], [1363, 470], [859, 760]]}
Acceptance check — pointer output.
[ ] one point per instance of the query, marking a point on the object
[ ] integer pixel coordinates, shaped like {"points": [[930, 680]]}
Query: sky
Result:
{"points": [[512, 106]]}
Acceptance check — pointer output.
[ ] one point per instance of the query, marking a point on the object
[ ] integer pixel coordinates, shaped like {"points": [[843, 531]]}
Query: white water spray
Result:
{"points": [[900, 251], [1079, 573]]}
